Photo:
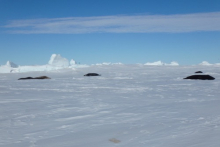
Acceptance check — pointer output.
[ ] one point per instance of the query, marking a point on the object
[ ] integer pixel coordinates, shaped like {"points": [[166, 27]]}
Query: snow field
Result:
{"points": [[129, 105]]}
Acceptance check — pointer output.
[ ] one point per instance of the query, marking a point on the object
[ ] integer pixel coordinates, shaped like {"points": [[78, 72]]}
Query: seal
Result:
{"points": [[28, 78], [92, 74], [200, 77]]}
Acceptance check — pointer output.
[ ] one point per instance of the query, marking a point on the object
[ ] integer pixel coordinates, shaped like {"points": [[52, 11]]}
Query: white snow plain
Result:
{"points": [[127, 106]]}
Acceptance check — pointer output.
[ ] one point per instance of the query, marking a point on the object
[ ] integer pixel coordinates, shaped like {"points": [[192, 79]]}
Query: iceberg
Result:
{"points": [[57, 60], [72, 62], [108, 63], [205, 63], [217, 64], [9, 67], [173, 63], [159, 63], [155, 63], [5, 69], [11, 64]]}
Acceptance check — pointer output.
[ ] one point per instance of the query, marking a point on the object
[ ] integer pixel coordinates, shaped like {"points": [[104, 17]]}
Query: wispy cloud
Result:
{"points": [[178, 23]]}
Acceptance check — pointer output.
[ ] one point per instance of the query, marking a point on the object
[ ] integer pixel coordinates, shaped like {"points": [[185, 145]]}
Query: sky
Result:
{"points": [[97, 31]]}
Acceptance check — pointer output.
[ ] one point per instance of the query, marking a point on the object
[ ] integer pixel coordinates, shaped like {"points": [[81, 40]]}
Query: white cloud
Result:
{"points": [[178, 23]]}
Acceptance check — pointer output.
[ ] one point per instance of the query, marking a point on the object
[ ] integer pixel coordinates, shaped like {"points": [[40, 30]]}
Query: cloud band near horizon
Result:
{"points": [[179, 23]]}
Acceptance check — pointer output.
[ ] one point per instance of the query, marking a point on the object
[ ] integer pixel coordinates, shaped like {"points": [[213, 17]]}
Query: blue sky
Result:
{"points": [[96, 31]]}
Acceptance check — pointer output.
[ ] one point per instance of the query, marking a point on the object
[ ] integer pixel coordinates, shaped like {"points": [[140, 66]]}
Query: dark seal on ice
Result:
{"points": [[25, 78], [198, 72], [92, 74], [200, 77], [28, 78]]}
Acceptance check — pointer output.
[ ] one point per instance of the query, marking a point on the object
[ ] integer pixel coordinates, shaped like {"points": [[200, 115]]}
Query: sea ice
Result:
{"points": [[128, 106]]}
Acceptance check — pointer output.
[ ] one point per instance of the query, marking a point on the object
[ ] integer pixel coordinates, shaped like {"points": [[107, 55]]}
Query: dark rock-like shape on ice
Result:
{"points": [[198, 72], [92, 74], [200, 77], [25, 78], [42, 77], [28, 78]]}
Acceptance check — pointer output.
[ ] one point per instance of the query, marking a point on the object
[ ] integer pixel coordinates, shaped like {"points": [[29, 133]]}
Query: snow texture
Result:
{"points": [[128, 106]]}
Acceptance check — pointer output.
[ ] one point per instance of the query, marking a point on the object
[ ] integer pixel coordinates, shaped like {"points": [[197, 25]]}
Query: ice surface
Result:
{"points": [[39, 68], [128, 106]]}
